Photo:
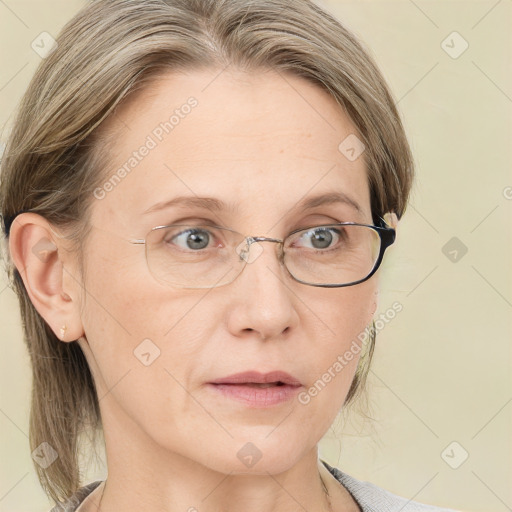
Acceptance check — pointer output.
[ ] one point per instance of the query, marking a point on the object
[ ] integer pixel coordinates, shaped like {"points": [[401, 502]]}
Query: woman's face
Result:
{"points": [[259, 144]]}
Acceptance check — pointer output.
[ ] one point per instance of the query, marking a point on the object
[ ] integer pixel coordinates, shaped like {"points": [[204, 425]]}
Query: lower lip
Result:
{"points": [[255, 396]]}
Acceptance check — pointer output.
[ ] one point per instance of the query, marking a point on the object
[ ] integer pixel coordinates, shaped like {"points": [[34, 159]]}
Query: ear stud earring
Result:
{"points": [[63, 330]]}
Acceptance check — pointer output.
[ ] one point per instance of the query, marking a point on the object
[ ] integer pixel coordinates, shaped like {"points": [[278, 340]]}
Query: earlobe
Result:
{"points": [[34, 249]]}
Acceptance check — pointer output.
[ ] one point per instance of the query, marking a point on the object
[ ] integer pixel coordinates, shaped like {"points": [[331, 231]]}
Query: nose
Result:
{"points": [[261, 297]]}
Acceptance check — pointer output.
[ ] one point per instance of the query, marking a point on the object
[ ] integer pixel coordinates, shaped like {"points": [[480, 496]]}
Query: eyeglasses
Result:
{"points": [[208, 256]]}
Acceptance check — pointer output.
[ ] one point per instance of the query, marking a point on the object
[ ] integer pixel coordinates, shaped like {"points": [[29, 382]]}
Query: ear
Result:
{"points": [[39, 255], [391, 219]]}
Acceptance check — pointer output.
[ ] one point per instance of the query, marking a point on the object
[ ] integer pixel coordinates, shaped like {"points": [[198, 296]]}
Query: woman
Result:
{"points": [[197, 197]]}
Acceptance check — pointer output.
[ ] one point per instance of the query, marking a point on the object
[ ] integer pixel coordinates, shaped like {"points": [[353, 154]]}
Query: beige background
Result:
{"points": [[442, 369]]}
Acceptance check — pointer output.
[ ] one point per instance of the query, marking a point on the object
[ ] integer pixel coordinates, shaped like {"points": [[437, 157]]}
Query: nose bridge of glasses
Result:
{"points": [[263, 239], [249, 256]]}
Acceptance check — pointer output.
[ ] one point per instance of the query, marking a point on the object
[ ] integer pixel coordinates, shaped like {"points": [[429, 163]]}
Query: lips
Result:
{"points": [[257, 379], [257, 390]]}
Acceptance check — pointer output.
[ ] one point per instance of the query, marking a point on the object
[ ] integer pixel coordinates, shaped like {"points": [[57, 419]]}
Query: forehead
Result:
{"points": [[259, 141]]}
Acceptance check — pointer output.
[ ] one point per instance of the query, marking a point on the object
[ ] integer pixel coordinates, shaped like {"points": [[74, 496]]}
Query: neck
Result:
{"points": [[153, 479], [273, 493]]}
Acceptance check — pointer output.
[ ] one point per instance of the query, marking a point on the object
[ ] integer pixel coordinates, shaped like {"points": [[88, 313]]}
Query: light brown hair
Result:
{"points": [[56, 152]]}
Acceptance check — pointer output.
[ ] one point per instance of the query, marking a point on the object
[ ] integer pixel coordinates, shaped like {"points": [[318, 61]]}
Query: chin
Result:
{"points": [[256, 453]]}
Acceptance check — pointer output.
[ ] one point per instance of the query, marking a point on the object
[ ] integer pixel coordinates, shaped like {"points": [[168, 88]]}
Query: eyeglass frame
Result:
{"points": [[387, 236]]}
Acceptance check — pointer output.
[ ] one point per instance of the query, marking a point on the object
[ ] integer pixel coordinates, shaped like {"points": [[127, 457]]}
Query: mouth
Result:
{"points": [[257, 390], [259, 384], [258, 379]]}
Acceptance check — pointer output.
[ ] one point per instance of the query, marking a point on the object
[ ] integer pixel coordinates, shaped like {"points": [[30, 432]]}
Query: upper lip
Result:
{"points": [[256, 377]]}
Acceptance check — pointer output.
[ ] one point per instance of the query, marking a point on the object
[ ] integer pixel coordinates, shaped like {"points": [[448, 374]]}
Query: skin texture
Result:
{"points": [[262, 141]]}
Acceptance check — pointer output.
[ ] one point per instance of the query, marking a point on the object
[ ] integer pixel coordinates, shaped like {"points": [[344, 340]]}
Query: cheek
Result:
{"points": [[144, 346], [125, 314], [134, 324], [345, 313], [340, 335]]}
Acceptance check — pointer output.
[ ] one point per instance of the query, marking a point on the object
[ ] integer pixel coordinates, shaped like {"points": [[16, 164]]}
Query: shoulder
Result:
{"points": [[74, 501], [372, 498]]}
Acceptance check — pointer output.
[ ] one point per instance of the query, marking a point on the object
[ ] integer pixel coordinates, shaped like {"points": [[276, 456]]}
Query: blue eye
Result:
{"points": [[195, 239], [321, 237]]}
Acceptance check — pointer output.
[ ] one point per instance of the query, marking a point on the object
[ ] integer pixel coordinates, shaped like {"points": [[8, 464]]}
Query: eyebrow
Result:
{"points": [[206, 203], [216, 205], [329, 198]]}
